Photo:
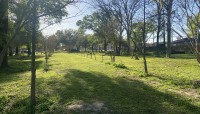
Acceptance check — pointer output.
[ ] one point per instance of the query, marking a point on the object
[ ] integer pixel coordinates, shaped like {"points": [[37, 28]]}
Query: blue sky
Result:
{"points": [[76, 12]]}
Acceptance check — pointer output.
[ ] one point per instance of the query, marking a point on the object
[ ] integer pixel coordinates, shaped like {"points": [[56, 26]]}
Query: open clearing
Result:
{"points": [[79, 84]]}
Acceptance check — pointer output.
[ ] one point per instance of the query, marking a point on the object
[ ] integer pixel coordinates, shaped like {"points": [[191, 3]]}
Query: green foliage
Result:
{"points": [[119, 65], [193, 25], [138, 29]]}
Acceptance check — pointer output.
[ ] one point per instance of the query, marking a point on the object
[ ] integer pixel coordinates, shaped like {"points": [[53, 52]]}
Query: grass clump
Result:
{"points": [[3, 102], [119, 65]]}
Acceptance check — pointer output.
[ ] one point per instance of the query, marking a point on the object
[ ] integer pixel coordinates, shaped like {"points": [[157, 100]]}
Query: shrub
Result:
{"points": [[120, 65]]}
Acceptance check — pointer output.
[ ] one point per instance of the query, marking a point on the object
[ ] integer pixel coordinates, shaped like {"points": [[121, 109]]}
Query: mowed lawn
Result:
{"points": [[76, 83]]}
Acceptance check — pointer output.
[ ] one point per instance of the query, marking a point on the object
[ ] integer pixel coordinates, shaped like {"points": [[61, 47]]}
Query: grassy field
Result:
{"points": [[78, 84]]}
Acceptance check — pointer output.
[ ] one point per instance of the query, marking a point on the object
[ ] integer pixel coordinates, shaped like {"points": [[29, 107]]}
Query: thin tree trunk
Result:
{"points": [[105, 45], [92, 47], [144, 43], [120, 41], [10, 51], [85, 47], [16, 50], [128, 42], [158, 31], [33, 68], [164, 33], [5, 59], [169, 11], [29, 49]]}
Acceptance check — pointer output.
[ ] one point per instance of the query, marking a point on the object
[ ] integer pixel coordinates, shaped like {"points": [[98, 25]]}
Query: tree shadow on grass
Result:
{"points": [[120, 95], [176, 81], [12, 73], [183, 56]]}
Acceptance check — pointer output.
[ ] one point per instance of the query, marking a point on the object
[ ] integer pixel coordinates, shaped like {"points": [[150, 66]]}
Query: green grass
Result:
{"points": [[77, 79]]}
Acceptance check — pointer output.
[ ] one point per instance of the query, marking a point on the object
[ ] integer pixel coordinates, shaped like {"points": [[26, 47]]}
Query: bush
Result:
{"points": [[120, 65], [124, 53]]}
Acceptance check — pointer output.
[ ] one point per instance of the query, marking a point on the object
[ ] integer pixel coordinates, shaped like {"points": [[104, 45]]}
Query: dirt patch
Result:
{"points": [[95, 107], [187, 92]]}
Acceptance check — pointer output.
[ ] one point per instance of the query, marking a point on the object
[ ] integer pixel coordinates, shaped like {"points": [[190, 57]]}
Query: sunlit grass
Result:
{"points": [[76, 78]]}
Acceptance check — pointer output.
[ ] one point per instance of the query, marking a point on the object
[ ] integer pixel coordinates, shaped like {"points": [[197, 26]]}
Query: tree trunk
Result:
{"points": [[135, 52], [10, 51], [120, 40], [164, 33], [128, 42], [92, 47], [33, 68], [158, 30], [85, 47], [3, 31], [169, 11], [16, 51], [144, 43], [29, 49], [5, 59], [105, 45], [198, 58]]}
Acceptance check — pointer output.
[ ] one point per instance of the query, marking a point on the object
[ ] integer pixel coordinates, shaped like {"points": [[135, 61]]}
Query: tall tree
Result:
{"points": [[144, 41], [53, 10], [159, 4], [188, 22], [33, 68], [3, 30], [124, 11], [168, 4]]}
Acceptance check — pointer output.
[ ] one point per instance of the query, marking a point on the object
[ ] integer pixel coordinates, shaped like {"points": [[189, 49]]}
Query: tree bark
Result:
{"points": [[128, 42], [10, 51], [158, 30], [16, 50], [105, 45], [5, 59], [169, 12], [164, 42], [120, 41], [33, 68], [144, 43], [3, 31], [29, 50]]}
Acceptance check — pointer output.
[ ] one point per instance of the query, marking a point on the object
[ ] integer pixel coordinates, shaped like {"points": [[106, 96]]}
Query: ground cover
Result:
{"points": [[76, 83]]}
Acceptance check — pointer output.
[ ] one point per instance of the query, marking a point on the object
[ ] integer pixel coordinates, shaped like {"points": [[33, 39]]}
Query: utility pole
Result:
{"points": [[144, 42]]}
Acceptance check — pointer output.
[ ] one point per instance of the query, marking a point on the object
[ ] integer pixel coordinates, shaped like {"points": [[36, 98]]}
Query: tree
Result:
{"points": [[168, 4], [95, 22], [144, 41], [124, 11], [187, 21], [54, 11], [3, 30], [159, 4]]}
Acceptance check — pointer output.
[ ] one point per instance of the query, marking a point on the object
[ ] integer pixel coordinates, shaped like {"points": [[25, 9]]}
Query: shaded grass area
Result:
{"points": [[120, 95], [74, 79], [15, 81]]}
